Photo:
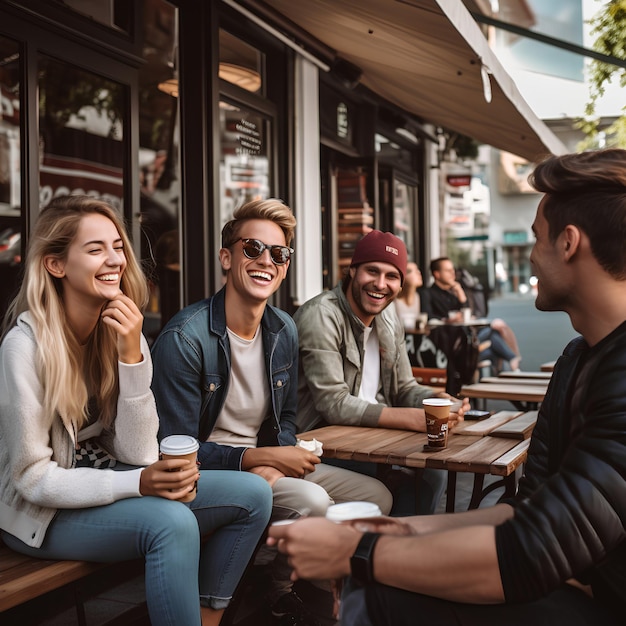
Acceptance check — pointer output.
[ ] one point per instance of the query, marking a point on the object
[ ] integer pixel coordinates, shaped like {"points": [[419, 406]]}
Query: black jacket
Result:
{"points": [[570, 510]]}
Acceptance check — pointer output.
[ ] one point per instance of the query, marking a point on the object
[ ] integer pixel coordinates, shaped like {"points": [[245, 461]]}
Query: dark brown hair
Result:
{"points": [[588, 190]]}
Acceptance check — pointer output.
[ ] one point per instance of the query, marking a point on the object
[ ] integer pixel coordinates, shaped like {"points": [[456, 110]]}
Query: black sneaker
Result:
{"points": [[291, 611]]}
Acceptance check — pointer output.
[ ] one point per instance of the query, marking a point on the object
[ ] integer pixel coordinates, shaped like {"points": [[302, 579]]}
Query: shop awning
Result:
{"points": [[428, 57]]}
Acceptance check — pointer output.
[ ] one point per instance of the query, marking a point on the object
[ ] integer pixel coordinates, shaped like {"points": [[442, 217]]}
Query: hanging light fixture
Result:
{"points": [[243, 77], [170, 87]]}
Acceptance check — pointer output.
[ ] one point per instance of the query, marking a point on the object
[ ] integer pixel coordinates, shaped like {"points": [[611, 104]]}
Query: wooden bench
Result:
{"points": [[31, 588], [24, 579]]}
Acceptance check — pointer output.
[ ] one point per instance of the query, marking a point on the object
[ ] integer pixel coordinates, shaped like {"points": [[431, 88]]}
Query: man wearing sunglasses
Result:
{"points": [[354, 367], [225, 372]]}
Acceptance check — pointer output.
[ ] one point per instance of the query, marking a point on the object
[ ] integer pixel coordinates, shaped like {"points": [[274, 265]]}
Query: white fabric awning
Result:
{"points": [[426, 57]]}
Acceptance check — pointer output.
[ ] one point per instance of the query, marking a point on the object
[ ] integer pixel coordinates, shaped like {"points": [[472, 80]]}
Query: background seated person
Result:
{"points": [[408, 301], [447, 294]]}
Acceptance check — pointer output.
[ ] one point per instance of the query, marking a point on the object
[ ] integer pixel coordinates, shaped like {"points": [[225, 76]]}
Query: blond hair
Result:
{"points": [[272, 209], [68, 375]]}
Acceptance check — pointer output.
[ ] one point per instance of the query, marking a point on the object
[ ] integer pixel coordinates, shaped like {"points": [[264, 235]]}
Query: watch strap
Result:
{"points": [[361, 562]]}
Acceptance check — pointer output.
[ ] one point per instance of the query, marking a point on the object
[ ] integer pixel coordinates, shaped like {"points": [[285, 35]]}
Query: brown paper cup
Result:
{"points": [[182, 447], [437, 415]]}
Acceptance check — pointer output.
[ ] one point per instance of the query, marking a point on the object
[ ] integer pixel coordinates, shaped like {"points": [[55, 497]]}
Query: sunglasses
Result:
{"points": [[253, 249]]}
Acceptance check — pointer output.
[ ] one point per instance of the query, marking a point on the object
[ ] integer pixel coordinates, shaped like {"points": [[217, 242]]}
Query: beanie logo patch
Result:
{"points": [[392, 250]]}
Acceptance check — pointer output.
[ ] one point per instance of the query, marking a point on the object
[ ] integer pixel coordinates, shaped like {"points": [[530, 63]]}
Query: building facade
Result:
{"points": [[177, 112]]}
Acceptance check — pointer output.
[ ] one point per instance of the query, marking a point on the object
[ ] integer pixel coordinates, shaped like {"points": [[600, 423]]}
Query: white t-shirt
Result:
{"points": [[248, 400], [370, 378]]}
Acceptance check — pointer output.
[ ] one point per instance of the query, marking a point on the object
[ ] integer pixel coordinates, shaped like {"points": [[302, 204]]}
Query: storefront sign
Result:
{"points": [[459, 180], [247, 136], [515, 236], [343, 121], [60, 176]]}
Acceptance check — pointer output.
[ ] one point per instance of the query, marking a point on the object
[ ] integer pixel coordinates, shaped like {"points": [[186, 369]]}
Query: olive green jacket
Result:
{"points": [[331, 362]]}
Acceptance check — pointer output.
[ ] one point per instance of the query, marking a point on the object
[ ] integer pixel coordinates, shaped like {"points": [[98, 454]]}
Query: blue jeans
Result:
{"points": [[231, 510], [499, 349]]}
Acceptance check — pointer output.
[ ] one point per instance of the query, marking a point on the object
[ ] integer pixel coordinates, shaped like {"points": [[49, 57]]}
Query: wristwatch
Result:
{"points": [[361, 562]]}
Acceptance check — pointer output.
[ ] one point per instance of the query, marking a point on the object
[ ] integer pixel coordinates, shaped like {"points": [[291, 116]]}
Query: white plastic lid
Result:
{"points": [[179, 444], [437, 402], [345, 511]]}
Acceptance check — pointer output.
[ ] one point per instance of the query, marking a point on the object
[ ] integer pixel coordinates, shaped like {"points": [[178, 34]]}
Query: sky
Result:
{"points": [[552, 81]]}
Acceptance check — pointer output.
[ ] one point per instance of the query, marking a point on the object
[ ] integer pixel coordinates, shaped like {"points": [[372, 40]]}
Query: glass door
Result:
{"points": [[10, 184]]}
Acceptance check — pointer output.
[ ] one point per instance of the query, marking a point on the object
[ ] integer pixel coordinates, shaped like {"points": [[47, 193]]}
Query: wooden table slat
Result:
{"points": [[497, 391], [512, 459], [519, 428], [500, 380], [479, 456], [484, 427], [440, 458], [526, 374]]}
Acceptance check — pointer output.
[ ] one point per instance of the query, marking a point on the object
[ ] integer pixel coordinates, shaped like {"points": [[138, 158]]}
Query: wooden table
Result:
{"points": [[496, 446], [503, 380], [523, 396], [523, 374], [548, 367]]}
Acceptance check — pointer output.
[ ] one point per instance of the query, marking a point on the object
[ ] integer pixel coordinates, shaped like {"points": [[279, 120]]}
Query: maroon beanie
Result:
{"points": [[381, 247]]}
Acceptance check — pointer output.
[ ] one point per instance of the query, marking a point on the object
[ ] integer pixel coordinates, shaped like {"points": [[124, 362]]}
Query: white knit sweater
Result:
{"points": [[37, 452]]}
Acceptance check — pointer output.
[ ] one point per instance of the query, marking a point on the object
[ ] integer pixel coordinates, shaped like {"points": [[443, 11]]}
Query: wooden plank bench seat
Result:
{"points": [[25, 579], [29, 587]]}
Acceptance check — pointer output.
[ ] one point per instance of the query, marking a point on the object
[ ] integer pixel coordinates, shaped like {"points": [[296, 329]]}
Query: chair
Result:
{"points": [[431, 376]]}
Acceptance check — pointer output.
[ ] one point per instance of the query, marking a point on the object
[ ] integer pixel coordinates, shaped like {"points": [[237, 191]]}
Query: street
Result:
{"points": [[541, 335]]}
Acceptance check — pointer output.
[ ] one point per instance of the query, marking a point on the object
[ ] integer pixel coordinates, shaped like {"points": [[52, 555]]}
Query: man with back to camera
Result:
{"points": [[555, 554], [354, 367], [225, 371]]}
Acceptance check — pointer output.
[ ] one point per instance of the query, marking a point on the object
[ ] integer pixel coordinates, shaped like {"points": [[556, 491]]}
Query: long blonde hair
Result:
{"points": [[68, 374]]}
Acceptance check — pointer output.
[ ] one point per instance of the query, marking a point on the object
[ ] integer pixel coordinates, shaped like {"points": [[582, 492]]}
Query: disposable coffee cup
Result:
{"points": [[344, 513], [437, 415], [454, 315], [467, 314], [182, 447], [348, 511], [422, 321]]}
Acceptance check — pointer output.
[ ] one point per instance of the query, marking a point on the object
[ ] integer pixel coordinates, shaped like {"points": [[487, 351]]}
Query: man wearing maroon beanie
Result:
{"points": [[354, 369]]}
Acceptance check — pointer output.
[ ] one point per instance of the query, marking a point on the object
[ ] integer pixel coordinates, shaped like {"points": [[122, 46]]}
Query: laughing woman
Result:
{"points": [[79, 471]]}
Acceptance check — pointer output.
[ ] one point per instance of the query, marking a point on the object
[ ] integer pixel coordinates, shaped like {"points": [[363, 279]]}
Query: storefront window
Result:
{"points": [[116, 14], [240, 63], [404, 203], [245, 166], [81, 118], [399, 199], [159, 162], [10, 203]]}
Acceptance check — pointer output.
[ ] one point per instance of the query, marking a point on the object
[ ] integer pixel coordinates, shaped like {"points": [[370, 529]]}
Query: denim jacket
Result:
{"points": [[331, 364], [191, 359]]}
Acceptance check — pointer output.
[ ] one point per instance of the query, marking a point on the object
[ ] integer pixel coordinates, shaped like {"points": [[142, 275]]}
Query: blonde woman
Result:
{"points": [[80, 475], [408, 301]]}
